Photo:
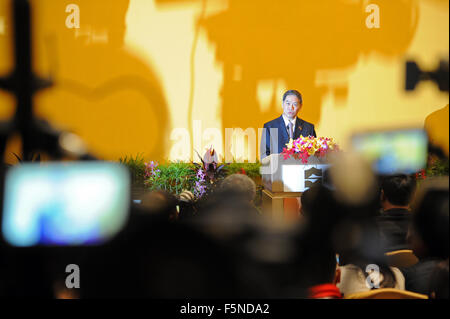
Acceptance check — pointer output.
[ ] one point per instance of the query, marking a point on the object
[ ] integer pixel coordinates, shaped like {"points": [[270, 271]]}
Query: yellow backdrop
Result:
{"points": [[166, 77]]}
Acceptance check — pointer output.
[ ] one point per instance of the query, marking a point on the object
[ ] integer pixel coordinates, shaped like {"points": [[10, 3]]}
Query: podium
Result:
{"points": [[284, 182]]}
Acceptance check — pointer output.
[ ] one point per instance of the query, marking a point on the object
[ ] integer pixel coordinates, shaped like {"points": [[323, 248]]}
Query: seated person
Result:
{"points": [[228, 210], [393, 222], [240, 184], [364, 267], [351, 230], [355, 279], [428, 234]]}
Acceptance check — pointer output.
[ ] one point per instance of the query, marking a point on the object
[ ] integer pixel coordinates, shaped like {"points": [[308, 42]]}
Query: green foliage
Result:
{"points": [[177, 176], [438, 167], [173, 177], [251, 169], [136, 165]]}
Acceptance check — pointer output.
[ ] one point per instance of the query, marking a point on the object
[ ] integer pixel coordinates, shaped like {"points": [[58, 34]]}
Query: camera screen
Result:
{"points": [[83, 203], [394, 152]]}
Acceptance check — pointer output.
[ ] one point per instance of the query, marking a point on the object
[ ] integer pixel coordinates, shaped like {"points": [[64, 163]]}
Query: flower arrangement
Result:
{"points": [[151, 169], [175, 177], [208, 174], [304, 147]]}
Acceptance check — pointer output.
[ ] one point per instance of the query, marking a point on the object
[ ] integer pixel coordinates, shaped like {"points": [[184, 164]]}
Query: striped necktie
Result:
{"points": [[291, 133]]}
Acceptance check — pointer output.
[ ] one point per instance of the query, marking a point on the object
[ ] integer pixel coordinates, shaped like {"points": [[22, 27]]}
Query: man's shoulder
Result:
{"points": [[272, 122], [396, 214], [305, 123], [422, 268]]}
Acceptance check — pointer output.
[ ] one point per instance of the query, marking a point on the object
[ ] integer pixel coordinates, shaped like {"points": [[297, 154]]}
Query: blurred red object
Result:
{"points": [[421, 174]]}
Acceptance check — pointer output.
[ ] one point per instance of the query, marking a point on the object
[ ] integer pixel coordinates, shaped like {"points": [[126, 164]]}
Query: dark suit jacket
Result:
{"points": [[418, 277], [274, 145], [393, 225]]}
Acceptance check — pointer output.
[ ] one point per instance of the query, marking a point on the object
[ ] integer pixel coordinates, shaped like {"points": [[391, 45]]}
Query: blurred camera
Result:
{"points": [[401, 151], [60, 204]]}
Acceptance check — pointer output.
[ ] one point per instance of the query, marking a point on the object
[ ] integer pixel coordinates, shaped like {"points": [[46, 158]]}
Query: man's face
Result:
{"points": [[291, 106]]}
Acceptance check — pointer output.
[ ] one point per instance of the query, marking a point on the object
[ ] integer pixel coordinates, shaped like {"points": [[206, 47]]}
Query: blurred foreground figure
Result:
{"points": [[429, 233], [156, 258]]}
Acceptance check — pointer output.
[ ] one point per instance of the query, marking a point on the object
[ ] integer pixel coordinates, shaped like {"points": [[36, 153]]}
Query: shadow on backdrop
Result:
{"points": [[116, 104], [7, 102], [102, 92], [292, 40]]}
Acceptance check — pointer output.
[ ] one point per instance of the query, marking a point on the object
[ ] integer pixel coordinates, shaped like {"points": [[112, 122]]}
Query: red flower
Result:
{"points": [[243, 171], [322, 152], [304, 156], [287, 153]]}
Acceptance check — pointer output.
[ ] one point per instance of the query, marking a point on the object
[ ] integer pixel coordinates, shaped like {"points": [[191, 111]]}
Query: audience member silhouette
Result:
{"points": [[396, 194], [428, 234]]}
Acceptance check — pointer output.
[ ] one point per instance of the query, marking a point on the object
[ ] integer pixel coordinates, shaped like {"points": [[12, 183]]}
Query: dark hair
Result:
{"points": [[293, 92], [240, 183], [398, 189]]}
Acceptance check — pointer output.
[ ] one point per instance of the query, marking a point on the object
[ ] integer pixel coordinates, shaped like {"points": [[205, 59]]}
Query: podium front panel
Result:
{"points": [[291, 175]]}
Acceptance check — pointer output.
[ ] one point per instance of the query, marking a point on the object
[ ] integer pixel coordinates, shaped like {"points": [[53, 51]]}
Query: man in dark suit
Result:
{"points": [[278, 132], [396, 194]]}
